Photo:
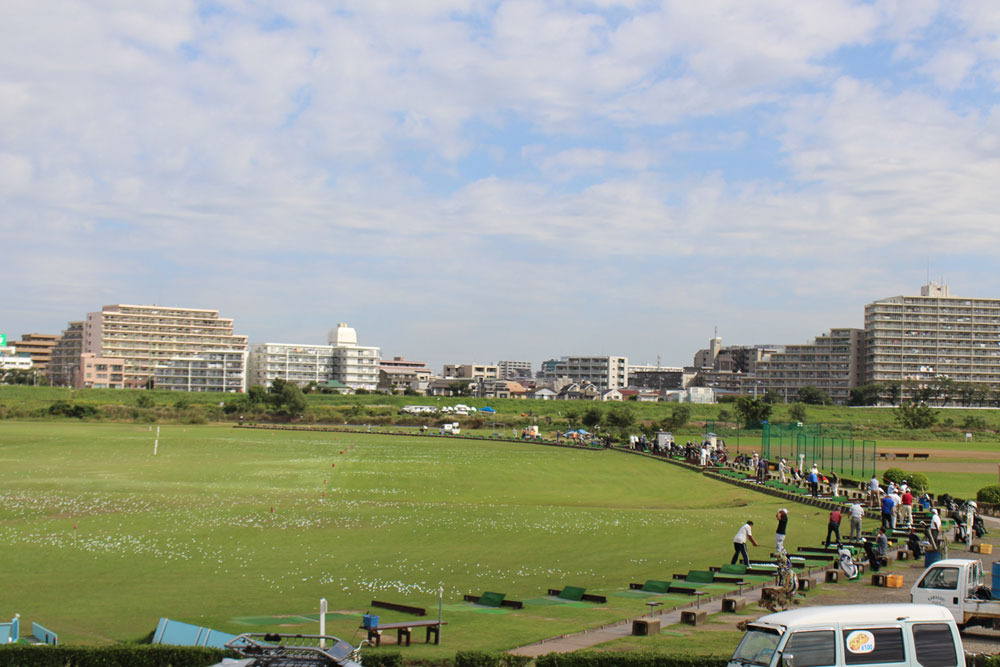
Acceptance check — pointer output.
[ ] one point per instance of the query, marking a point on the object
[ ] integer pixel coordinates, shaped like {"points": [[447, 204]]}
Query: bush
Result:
{"points": [[485, 659], [917, 481], [894, 475], [119, 655], [627, 659], [974, 423], [989, 494], [69, 410]]}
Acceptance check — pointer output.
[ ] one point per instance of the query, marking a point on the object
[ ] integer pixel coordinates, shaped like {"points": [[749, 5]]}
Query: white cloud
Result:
{"points": [[375, 155]]}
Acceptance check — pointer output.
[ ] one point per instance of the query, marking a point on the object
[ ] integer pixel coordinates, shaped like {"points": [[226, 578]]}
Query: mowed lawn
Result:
{"points": [[226, 527]]}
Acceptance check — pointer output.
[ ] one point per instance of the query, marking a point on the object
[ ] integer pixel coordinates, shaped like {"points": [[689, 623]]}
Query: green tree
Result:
{"points": [[291, 399], [892, 392], [725, 415], [811, 395], [459, 388], [916, 415], [680, 414], [752, 411], [257, 395], [620, 417], [797, 412], [592, 417], [145, 401], [867, 394]]}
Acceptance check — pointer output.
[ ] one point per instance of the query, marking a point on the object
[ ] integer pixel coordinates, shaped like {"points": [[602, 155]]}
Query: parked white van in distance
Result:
{"points": [[855, 635]]}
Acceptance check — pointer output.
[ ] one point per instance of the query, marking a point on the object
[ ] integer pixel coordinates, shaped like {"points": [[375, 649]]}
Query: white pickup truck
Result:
{"points": [[957, 585]]}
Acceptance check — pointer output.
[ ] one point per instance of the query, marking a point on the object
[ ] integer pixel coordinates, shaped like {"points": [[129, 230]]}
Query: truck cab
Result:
{"points": [[887, 635], [957, 584]]}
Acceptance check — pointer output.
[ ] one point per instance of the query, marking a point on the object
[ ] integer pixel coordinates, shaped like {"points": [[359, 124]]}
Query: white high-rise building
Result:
{"points": [[354, 365], [343, 360], [932, 336]]}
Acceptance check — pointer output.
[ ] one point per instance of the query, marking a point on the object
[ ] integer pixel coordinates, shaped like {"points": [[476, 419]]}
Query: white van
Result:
{"points": [[887, 635]]}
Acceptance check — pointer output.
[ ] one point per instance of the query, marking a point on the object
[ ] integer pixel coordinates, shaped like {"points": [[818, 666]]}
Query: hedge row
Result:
{"points": [[138, 655], [119, 655], [629, 659]]}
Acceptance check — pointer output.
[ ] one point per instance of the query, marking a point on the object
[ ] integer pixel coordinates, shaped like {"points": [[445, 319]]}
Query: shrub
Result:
{"points": [[69, 410], [119, 655], [894, 475], [627, 659], [917, 481], [974, 423], [485, 659], [989, 494]]}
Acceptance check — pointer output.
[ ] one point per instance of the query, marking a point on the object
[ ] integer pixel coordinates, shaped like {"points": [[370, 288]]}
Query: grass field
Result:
{"points": [[228, 528]]}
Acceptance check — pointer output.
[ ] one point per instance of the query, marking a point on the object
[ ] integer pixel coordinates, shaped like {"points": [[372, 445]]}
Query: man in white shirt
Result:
{"points": [[935, 529], [873, 499], [740, 543], [896, 502], [857, 515]]}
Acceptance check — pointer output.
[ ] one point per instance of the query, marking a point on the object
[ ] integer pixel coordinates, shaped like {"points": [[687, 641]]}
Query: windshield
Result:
{"points": [[757, 647]]}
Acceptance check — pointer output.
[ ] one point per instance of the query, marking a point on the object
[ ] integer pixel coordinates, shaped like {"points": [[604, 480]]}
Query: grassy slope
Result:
{"points": [[190, 535]]}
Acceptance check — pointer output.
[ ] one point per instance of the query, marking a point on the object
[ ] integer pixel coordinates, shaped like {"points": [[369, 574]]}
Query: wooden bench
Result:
{"points": [[922, 457], [404, 629], [902, 455], [406, 609]]}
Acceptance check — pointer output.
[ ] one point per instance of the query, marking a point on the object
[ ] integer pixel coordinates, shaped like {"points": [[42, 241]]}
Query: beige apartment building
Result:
{"points": [[39, 347], [146, 338], [932, 336], [96, 372], [833, 363], [471, 371]]}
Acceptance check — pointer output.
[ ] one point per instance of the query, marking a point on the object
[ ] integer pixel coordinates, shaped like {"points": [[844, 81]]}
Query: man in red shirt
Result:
{"points": [[833, 527], [906, 509]]}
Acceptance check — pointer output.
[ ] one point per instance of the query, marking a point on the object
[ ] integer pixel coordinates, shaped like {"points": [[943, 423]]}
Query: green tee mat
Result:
{"points": [[572, 593], [489, 599]]}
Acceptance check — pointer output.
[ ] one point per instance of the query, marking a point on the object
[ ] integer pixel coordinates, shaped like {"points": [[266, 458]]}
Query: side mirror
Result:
{"points": [[787, 660]]}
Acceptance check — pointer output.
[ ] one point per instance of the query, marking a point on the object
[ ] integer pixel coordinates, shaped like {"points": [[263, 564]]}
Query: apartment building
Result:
{"points": [[657, 377], [514, 370], [343, 360], [603, 372], [39, 347], [471, 371], [932, 336], [147, 337], [12, 359], [399, 374], [354, 365], [833, 362], [94, 372], [292, 362], [65, 360], [222, 371]]}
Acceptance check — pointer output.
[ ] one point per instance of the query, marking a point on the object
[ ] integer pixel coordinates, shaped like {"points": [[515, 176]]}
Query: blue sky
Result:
{"points": [[466, 181]]}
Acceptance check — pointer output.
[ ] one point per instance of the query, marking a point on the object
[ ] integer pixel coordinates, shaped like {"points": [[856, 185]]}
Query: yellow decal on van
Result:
{"points": [[861, 641]]}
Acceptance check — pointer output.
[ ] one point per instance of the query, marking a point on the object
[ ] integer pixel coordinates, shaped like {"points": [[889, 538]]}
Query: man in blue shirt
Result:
{"points": [[888, 505]]}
